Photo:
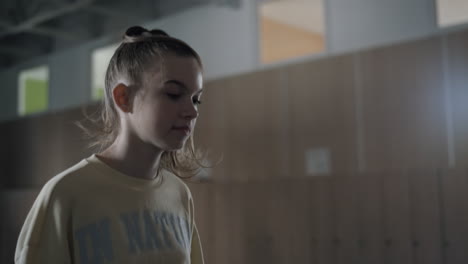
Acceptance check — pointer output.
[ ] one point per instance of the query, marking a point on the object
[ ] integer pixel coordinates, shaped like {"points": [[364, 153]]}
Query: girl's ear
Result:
{"points": [[121, 94]]}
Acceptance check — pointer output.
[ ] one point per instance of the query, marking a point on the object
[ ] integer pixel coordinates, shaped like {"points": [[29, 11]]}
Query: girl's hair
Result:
{"points": [[138, 52]]}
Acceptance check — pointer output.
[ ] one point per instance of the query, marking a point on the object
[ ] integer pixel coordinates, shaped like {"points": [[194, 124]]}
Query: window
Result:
{"points": [[33, 90], [100, 59], [290, 28], [452, 12]]}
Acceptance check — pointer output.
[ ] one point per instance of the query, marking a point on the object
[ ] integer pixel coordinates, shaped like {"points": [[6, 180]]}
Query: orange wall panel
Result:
{"points": [[279, 41]]}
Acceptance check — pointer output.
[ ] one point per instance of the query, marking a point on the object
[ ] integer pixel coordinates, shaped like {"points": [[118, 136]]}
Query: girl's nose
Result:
{"points": [[191, 111]]}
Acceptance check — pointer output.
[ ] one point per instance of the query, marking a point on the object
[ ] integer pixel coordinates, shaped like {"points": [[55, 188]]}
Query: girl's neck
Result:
{"points": [[135, 160]]}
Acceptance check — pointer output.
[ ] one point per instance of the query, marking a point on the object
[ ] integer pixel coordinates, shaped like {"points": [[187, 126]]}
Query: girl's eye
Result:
{"points": [[174, 96]]}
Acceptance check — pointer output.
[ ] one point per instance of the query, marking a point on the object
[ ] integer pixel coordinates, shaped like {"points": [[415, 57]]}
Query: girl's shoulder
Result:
{"points": [[71, 174], [68, 180]]}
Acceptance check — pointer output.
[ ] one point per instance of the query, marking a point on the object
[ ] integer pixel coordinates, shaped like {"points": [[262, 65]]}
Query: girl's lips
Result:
{"points": [[184, 129]]}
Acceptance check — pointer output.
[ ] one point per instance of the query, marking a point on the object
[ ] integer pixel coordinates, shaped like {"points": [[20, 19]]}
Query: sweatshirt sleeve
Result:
{"points": [[196, 255], [44, 237]]}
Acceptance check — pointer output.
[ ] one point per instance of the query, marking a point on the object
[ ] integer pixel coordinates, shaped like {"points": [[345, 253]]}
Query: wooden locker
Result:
{"points": [[403, 106], [254, 134], [396, 218], [15, 206], [345, 190], [203, 197], [325, 222], [425, 216], [457, 75], [222, 223], [258, 235], [301, 224], [210, 134], [238, 201], [370, 196], [322, 113], [454, 201]]}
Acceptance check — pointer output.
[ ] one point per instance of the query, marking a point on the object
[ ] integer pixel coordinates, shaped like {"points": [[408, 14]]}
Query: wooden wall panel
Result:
{"points": [[278, 135], [311, 206], [454, 186], [15, 205], [31, 140], [322, 110], [404, 106], [13, 146], [425, 216], [286, 228], [396, 218], [389, 217], [210, 135], [74, 143], [324, 228], [239, 199], [457, 57], [34, 149], [347, 231], [203, 195], [222, 224], [370, 192], [258, 232], [246, 127], [301, 221], [254, 128]]}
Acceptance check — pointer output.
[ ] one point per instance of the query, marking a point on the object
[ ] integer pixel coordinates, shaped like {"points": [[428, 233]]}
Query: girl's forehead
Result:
{"points": [[172, 65], [185, 70]]}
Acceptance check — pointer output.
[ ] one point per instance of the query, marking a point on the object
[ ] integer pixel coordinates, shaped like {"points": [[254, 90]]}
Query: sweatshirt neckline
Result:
{"points": [[124, 178]]}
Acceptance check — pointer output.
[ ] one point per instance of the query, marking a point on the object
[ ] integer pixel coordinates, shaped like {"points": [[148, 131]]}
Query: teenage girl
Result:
{"points": [[127, 203]]}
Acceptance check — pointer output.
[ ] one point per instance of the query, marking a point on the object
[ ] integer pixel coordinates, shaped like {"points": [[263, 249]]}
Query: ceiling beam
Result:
{"points": [[231, 3], [53, 33], [43, 31], [17, 51], [105, 11], [32, 22]]}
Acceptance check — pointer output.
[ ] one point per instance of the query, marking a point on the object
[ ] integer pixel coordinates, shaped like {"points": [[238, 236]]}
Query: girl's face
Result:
{"points": [[166, 107]]}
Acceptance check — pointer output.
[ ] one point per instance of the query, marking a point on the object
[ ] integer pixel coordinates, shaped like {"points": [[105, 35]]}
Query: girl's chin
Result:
{"points": [[175, 146]]}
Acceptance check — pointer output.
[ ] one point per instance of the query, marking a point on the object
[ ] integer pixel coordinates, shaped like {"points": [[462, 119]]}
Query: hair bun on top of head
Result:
{"points": [[137, 33], [159, 33]]}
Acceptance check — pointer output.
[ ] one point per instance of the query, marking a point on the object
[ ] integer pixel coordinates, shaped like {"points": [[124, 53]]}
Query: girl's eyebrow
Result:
{"points": [[181, 85]]}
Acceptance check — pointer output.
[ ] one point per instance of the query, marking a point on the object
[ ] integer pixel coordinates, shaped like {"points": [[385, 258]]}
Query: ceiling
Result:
{"points": [[31, 28]]}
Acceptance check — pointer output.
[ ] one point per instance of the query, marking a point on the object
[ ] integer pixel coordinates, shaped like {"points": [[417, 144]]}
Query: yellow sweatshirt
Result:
{"points": [[91, 213]]}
